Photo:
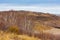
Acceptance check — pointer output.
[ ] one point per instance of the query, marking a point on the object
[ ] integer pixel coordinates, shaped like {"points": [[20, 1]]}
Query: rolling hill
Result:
{"points": [[27, 22]]}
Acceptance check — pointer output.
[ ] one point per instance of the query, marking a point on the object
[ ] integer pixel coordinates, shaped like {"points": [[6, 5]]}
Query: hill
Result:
{"points": [[27, 22]]}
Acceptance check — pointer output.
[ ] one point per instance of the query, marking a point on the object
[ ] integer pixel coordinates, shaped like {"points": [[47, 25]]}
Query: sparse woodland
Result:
{"points": [[26, 25]]}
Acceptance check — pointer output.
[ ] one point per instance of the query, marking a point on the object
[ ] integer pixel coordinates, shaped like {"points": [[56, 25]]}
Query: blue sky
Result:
{"points": [[51, 6], [30, 2]]}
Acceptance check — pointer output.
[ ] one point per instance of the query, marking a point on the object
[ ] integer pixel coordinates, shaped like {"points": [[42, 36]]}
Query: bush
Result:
{"points": [[13, 29]]}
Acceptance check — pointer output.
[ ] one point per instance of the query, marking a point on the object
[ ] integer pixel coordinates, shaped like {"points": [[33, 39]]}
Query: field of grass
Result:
{"points": [[12, 36]]}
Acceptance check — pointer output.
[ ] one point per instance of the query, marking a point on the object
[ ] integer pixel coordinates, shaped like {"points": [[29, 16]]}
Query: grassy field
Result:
{"points": [[12, 36]]}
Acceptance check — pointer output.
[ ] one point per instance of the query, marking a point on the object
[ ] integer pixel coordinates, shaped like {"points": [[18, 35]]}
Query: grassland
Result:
{"points": [[12, 36]]}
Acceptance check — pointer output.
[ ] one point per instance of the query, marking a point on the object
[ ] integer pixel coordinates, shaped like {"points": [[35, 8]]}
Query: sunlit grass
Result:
{"points": [[12, 36]]}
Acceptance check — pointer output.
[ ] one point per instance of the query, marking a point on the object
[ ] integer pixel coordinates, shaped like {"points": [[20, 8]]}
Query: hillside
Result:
{"points": [[27, 22]]}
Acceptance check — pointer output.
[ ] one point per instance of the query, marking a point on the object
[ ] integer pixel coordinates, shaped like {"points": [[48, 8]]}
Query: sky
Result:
{"points": [[47, 6]]}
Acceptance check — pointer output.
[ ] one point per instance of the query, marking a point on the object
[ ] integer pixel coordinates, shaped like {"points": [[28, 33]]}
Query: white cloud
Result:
{"points": [[49, 9]]}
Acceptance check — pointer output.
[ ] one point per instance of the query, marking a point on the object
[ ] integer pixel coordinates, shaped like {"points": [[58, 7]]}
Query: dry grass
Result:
{"points": [[12, 36], [40, 27]]}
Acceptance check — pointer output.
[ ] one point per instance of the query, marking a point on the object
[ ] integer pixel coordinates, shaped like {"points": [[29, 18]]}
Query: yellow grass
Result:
{"points": [[12, 36], [40, 27]]}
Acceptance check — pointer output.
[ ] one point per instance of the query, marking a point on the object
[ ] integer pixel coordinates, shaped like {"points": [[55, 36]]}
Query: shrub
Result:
{"points": [[13, 29]]}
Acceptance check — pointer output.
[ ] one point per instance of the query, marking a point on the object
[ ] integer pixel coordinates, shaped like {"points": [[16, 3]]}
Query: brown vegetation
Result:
{"points": [[28, 23]]}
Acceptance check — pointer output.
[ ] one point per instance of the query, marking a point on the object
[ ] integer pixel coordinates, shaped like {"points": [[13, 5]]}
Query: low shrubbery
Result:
{"points": [[13, 29]]}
